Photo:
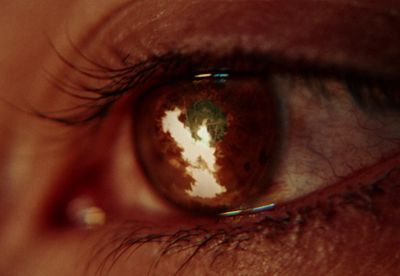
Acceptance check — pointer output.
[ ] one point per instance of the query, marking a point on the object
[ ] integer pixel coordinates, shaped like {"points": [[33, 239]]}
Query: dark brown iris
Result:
{"points": [[209, 145]]}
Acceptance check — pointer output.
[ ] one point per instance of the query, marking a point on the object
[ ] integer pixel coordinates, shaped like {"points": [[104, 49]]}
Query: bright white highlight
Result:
{"points": [[199, 154], [200, 76]]}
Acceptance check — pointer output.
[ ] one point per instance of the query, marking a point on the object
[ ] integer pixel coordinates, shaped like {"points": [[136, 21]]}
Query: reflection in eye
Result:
{"points": [[251, 157], [209, 144], [287, 129]]}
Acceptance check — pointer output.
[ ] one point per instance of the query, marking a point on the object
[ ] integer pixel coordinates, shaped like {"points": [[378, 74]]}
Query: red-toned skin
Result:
{"points": [[352, 228]]}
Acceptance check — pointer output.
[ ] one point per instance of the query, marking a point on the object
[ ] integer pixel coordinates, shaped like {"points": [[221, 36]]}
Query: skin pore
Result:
{"points": [[348, 228]]}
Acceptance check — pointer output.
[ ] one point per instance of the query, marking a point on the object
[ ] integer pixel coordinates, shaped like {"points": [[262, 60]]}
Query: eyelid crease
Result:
{"points": [[174, 67]]}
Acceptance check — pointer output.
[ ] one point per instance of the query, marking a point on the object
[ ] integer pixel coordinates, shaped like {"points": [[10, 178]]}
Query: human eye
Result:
{"points": [[275, 122], [320, 186]]}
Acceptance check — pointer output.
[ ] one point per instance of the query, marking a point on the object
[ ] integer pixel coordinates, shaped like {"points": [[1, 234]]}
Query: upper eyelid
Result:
{"points": [[319, 39]]}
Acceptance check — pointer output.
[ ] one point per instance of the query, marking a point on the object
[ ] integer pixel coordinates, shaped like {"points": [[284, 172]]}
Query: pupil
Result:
{"points": [[200, 143]]}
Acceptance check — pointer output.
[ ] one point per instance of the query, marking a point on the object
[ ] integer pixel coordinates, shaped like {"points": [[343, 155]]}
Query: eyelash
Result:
{"points": [[173, 67], [369, 92], [231, 233]]}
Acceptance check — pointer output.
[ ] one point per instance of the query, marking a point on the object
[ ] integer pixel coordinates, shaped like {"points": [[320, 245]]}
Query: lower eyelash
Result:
{"points": [[230, 236]]}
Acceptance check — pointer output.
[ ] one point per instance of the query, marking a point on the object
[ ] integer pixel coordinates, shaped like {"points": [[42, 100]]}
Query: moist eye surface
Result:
{"points": [[209, 144]]}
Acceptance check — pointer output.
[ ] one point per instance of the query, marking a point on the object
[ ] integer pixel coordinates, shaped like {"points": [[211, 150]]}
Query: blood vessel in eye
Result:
{"points": [[210, 144]]}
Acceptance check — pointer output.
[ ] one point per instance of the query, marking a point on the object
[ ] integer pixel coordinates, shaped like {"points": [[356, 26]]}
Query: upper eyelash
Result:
{"points": [[175, 66]]}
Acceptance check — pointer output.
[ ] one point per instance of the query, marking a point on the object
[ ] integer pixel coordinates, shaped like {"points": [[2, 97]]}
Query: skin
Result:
{"points": [[349, 228]]}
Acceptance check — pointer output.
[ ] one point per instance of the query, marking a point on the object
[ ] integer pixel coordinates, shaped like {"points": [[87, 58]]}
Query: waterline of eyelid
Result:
{"points": [[248, 211]]}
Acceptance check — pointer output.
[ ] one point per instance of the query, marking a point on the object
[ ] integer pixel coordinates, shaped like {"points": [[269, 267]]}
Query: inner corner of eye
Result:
{"points": [[208, 145]]}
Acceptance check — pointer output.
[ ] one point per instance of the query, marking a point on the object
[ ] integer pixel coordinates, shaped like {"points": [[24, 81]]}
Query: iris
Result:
{"points": [[209, 144]]}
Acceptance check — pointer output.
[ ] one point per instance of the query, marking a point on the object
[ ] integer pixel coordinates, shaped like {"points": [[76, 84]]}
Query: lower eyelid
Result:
{"points": [[219, 242]]}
